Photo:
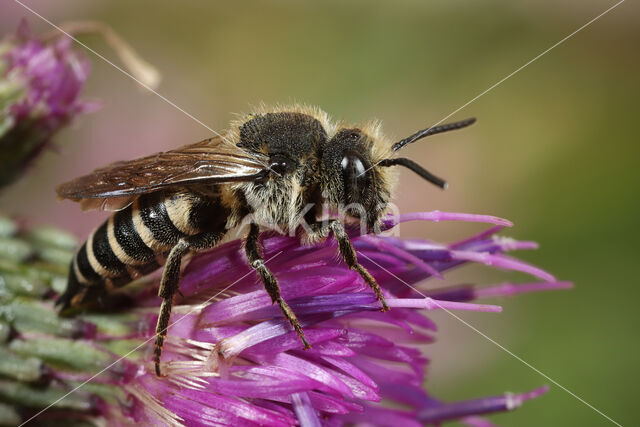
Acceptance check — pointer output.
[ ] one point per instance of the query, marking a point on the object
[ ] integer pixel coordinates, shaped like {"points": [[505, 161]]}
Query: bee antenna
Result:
{"points": [[432, 131], [410, 164]]}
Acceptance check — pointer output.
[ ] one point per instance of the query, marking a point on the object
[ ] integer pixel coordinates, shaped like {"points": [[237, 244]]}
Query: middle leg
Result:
{"points": [[270, 282]]}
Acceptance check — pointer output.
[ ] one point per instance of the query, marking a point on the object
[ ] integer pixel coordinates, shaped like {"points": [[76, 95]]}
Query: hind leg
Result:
{"points": [[169, 285]]}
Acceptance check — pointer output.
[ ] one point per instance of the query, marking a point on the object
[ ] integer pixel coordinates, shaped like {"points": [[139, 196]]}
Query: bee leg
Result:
{"points": [[169, 284], [350, 258], [168, 287], [270, 282]]}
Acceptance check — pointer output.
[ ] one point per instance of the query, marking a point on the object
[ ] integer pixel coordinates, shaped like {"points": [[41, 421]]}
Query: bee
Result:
{"points": [[275, 167]]}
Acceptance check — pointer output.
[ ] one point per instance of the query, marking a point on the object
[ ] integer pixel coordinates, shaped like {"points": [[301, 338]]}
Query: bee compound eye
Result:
{"points": [[352, 165], [354, 175]]}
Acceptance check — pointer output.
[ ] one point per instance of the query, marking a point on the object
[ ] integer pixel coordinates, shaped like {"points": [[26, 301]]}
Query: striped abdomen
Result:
{"points": [[135, 241]]}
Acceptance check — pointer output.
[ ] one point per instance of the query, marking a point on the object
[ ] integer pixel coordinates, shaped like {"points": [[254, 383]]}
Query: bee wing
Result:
{"points": [[210, 161]]}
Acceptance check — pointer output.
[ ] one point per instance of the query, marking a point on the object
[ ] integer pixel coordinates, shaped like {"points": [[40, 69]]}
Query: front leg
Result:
{"points": [[270, 282], [322, 229]]}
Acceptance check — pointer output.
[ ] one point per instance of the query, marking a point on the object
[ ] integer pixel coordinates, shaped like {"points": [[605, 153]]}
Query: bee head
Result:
{"points": [[357, 184], [351, 180]]}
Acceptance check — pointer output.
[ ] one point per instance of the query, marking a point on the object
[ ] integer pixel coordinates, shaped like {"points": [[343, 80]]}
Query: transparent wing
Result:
{"points": [[209, 161]]}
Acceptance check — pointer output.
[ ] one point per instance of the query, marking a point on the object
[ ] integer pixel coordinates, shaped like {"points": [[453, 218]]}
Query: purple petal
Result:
{"points": [[503, 262], [486, 405], [511, 289], [381, 417], [437, 216], [329, 382], [304, 410], [401, 254]]}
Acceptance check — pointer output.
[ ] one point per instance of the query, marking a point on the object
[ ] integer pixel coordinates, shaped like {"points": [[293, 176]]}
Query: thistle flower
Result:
{"points": [[40, 83], [39, 88], [230, 357]]}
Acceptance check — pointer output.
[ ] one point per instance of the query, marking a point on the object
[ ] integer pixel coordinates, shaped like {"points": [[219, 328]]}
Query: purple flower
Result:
{"points": [[40, 83], [232, 359]]}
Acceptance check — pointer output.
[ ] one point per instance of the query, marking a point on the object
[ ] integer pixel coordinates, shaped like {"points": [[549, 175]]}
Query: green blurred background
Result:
{"points": [[553, 151]]}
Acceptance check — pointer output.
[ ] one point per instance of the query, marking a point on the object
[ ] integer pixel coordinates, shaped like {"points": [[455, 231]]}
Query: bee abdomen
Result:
{"points": [[151, 219], [105, 261], [134, 242], [94, 270], [97, 265], [126, 241]]}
